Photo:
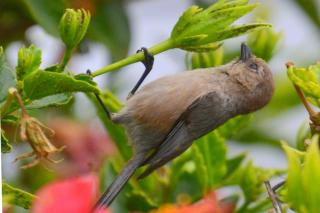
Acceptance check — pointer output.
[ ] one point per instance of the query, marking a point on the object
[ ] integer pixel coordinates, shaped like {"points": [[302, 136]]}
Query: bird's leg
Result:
{"points": [[148, 64], [105, 108]]}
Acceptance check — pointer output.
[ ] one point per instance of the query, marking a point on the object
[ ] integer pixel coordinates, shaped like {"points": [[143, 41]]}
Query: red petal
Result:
{"points": [[74, 195]]}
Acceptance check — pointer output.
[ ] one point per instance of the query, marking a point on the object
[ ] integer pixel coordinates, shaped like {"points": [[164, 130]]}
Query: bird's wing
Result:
{"points": [[179, 139]]}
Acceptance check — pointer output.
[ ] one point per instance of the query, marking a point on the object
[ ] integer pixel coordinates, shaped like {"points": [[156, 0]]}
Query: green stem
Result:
{"points": [[66, 58], [158, 48]]}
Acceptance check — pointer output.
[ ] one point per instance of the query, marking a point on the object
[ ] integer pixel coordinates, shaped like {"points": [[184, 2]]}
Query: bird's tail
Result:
{"points": [[113, 190]]}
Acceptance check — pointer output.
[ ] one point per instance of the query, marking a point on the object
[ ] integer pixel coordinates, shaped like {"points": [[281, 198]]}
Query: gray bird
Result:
{"points": [[167, 115]]}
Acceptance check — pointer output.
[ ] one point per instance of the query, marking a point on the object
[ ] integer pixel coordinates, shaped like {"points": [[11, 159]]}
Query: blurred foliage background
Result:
{"points": [[233, 161]]}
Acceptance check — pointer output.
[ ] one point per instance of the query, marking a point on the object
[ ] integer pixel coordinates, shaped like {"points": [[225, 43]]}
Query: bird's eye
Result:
{"points": [[254, 66]]}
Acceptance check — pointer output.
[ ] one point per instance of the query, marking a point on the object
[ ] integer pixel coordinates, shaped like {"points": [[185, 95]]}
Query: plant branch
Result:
{"points": [[305, 102], [158, 48], [275, 203]]}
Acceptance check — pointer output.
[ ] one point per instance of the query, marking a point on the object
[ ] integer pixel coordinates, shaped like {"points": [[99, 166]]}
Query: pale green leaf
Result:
{"points": [[52, 101], [311, 177], [307, 79], [294, 194]]}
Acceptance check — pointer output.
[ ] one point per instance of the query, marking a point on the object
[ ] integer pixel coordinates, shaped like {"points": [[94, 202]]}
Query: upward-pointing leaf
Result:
{"points": [[29, 60], [212, 24]]}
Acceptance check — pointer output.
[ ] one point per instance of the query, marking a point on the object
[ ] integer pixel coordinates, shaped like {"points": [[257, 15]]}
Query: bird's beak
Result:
{"points": [[245, 52]]}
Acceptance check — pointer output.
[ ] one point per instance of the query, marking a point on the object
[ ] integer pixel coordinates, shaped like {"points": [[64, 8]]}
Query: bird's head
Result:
{"points": [[254, 75]]}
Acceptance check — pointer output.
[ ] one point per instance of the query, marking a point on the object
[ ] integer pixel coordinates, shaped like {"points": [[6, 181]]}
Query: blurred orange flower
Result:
{"points": [[209, 204]]}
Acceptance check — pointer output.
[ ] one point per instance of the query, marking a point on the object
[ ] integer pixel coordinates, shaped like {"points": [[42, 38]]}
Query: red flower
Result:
{"points": [[74, 195]]}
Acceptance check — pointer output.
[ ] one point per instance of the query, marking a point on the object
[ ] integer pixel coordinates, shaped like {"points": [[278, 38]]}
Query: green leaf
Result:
{"points": [[17, 196], [46, 13], [311, 178], [197, 27], [42, 83], [184, 20], [307, 79], [251, 180], [137, 200], [7, 76], [235, 31], [52, 100], [294, 195], [5, 146], [233, 164], [215, 164], [29, 60], [188, 175], [233, 126]]}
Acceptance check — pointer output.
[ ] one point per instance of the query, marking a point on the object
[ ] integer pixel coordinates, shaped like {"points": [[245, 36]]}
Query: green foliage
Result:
{"points": [[202, 168], [307, 79], [233, 126], [7, 76], [198, 29], [41, 83], [73, 26], [215, 165], [29, 60], [302, 190], [17, 196]]}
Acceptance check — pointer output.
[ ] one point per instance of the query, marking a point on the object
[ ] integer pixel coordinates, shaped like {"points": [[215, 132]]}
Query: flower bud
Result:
{"points": [[29, 60], [73, 26]]}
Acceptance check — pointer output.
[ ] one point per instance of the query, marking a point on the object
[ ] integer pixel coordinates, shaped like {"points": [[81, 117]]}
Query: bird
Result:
{"points": [[167, 115]]}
